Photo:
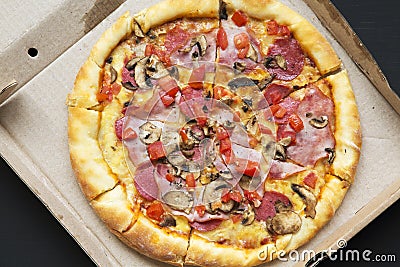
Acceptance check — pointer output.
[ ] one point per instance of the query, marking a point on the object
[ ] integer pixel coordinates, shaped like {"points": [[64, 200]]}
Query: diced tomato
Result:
{"points": [[183, 135], [201, 121], [161, 54], [129, 134], [156, 150], [119, 125], [243, 52], [235, 196], [155, 211], [196, 80], [220, 92], [167, 100], [201, 210], [225, 145], [190, 181], [225, 198], [284, 131], [252, 195], [278, 111], [169, 85], [274, 93], [310, 180], [247, 167], [236, 116], [148, 50], [170, 177], [221, 133], [236, 218], [253, 142], [222, 39], [242, 44], [239, 18], [228, 154], [273, 28], [296, 123]]}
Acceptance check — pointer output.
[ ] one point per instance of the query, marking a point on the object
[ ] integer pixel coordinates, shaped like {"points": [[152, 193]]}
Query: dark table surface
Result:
{"points": [[30, 236]]}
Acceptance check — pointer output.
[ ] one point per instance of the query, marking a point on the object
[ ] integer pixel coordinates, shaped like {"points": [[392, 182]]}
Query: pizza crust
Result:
{"points": [[169, 10], [92, 172], [156, 242], [347, 128]]}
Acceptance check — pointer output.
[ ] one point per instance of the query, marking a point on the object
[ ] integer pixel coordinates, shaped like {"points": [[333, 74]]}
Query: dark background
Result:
{"points": [[30, 236]]}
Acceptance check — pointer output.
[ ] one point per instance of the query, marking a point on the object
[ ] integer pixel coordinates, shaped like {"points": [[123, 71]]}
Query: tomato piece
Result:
{"points": [[201, 210], [222, 39], [156, 150], [236, 218], [241, 40], [148, 50], [225, 145], [190, 181], [274, 93], [228, 154], [225, 198], [253, 142], [273, 28], [242, 53], [196, 79], [252, 195], [235, 196], [183, 135], [296, 123], [170, 177], [310, 180], [220, 92], [119, 126], [278, 111], [247, 167], [236, 116], [155, 211], [166, 99], [115, 88], [129, 134], [239, 18], [168, 85], [221, 133]]}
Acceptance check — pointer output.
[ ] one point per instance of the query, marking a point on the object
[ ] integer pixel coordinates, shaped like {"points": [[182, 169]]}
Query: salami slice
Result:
{"points": [[206, 226], [267, 208], [145, 182]]}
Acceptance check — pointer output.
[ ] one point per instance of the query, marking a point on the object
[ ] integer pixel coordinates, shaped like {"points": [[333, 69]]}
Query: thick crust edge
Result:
{"points": [[169, 10], [156, 242], [347, 128], [92, 172]]}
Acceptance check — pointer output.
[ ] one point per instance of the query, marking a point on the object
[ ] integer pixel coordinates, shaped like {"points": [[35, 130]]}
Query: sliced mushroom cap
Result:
{"points": [[285, 141], [281, 62], [114, 74], [213, 191], [128, 85], [179, 200], [252, 126], [280, 153], [149, 133], [240, 82], [155, 68], [331, 154], [248, 216], [168, 221], [249, 183], [284, 223], [227, 206], [137, 30], [202, 44], [266, 81], [269, 150], [308, 198], [319, 123], [140, 73], [239, 66], [252, 54], [132, 63]]}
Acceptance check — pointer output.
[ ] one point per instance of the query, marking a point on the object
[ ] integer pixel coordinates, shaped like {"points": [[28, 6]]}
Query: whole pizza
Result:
{"points": [[213, 133]]}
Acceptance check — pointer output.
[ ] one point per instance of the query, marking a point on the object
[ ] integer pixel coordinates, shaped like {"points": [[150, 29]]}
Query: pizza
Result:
{"points": [[213, 133]]}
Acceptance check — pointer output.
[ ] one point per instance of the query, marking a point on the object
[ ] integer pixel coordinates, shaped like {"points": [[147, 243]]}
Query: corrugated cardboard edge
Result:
{"points": [[337, 25], [53, 200]]}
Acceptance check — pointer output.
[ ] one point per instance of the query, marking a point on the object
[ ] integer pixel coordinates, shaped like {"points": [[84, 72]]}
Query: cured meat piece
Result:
{"points": [[267, 208], [206, 226], [280, 170], [144, 181]]}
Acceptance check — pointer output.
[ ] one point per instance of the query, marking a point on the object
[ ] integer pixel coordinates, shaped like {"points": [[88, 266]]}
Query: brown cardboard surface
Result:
{"points": [[35, 144]]}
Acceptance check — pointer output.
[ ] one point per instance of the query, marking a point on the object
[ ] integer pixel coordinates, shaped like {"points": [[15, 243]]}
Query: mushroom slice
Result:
{"points": [[252, 126], [331, 153], [179, 200], [137, 30], [132, 63], [285, 141], [266, 81], [201, 43], [319, 123], [249, 183], [149, 133], [252, 54], [228, 206], [239, 66], [280, 153], [114, 74], [236, 83], [155, 68], [168, 221], [140, 73], [248, 216], [281, 62], [284, 223], [213, 191], [128, 85], [308, 199]]}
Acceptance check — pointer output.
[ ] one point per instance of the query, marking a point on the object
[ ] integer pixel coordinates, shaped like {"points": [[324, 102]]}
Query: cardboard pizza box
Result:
{"points": [[66, 37]]}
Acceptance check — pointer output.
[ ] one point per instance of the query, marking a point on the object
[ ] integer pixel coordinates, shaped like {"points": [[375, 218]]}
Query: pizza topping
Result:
{"points": [[196, 79], [179, 200], [288, 56], [114, 74], [296, 123], [200, 42], [267, 208], [280, 170], [284, 223], [280, 153], [320, 122], [155, 68], [239, 18], [248, 216], [131, 64], [149, 133], [156, 150], [144, 181], [175, 39], [222, 39], [308, 198], [273, 28], [249, 183], [222, 10], [119, 126], [331, 154], [137, 30], [239, 66], [167, 221], [252, 54], [141, 77], [155, 211], [206, 226], [310, 180], [242, 44]]}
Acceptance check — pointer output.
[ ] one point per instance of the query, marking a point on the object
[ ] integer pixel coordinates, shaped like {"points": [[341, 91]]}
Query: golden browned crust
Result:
{"points": [[205, 253], [114, 209], [169, 10], [86, 86], [111, 38], [329, 200], [92, 172], [156, 242], [347, 128]]}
